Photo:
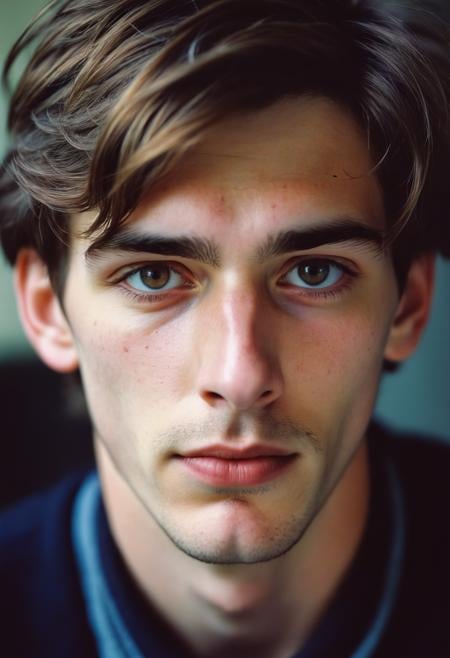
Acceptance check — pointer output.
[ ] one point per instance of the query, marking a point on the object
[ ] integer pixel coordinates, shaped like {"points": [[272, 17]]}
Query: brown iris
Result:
{"points": [[314, 272], [155, 277]]}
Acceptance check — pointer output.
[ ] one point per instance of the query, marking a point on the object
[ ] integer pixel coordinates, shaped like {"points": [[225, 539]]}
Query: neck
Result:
{"points": [[218, 609]]}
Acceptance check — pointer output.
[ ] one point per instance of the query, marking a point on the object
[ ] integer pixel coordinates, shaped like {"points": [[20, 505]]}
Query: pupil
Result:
{"points": [[155, 277], [314, 273]]}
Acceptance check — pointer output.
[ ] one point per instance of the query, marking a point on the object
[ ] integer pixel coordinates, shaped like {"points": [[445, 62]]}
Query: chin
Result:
{"points": [[234, 554], [246, 541]]}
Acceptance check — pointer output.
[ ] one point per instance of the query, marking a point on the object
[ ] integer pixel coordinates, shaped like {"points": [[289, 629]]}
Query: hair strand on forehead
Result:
{"points": [[117, 91]]}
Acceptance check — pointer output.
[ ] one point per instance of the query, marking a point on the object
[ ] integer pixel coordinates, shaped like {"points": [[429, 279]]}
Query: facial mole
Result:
{"points": [[125, 348]]}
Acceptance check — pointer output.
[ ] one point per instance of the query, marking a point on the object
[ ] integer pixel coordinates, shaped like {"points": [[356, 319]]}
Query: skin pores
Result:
{"points": [[240, 352]]}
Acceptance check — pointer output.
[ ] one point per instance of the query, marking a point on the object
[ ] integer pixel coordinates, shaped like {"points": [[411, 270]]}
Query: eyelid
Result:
{"points": [[153, 296], [128, 270], [343, 263], [320, 293], [349, 272]]}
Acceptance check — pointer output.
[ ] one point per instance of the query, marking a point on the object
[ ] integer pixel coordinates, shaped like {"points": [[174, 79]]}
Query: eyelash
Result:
{"points": [[348, 276], [335, 290], [148, 298], [327, 294]]}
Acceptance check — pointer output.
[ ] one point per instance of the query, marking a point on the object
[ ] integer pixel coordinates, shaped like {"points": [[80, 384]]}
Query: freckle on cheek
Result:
{"points": [[125, 348]]}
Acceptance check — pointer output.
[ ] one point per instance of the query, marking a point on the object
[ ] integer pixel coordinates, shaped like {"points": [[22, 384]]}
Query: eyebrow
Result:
{"points": [[194, 248], [208, 252], [341, 230]]}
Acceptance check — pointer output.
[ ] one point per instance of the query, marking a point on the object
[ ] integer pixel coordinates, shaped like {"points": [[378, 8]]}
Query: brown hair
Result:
{"points": [[117, 90]]}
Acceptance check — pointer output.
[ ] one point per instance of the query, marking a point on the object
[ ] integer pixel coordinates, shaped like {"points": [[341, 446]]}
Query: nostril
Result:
{"points": [[212, 395]]}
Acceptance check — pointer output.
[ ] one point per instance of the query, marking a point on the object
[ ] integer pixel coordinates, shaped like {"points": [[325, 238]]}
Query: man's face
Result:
{"points": [[267, 333]]}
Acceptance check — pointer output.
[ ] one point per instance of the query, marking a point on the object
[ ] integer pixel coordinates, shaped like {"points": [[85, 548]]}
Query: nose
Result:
{"points": [[239, 366]]}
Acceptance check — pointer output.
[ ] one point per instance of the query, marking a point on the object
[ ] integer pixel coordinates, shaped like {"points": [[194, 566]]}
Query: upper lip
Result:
{"points": [[222, 451]]}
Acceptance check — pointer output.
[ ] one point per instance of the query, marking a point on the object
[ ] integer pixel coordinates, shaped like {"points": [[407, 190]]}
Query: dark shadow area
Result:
{"points": [[45, 432]]}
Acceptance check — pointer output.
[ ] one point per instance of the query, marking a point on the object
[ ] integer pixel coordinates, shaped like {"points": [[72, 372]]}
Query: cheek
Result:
{"points": [[334, 362], [129, 376], [333, 381]]}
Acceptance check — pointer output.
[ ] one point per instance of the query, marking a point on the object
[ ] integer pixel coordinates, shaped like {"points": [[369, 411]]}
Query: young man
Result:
{"points": [[225, 215]]}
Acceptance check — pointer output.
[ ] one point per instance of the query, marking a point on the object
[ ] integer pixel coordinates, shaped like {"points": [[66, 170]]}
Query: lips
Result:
{"points": [[224, 466]]}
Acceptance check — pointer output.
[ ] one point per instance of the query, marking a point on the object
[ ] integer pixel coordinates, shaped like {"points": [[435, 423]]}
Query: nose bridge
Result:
{"points": [[242, 340], [238, 365]]}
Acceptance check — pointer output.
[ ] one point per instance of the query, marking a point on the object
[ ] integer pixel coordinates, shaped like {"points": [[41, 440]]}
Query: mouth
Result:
{"points": [[231, 467]]}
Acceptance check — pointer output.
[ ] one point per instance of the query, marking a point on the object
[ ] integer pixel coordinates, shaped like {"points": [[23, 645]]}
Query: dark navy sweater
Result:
{"points": [[64, 587]]}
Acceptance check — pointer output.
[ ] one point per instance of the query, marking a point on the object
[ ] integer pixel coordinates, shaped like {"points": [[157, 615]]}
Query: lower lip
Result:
{"points": [[237, 472]]}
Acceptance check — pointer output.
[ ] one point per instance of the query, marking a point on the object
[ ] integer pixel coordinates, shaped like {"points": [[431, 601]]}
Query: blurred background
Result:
{"points": [[36, 426]]}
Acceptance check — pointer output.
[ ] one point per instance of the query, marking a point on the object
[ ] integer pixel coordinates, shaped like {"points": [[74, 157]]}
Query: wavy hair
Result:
{"points": [[117, 91]]}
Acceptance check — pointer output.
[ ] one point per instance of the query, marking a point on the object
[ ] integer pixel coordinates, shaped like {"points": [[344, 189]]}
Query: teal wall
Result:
{"points": [[418, 397], [14, 15]]}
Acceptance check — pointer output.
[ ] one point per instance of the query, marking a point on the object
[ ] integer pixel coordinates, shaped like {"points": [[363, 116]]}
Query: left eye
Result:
{"points": [[156, 277], [315, 273]]}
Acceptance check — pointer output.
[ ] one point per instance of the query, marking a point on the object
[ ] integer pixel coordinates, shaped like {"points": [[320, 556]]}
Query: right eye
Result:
{"points": [[314, 273], [154, 277]]}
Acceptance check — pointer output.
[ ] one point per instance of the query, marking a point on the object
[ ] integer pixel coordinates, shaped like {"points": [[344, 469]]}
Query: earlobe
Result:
{"points": [[41, 314], [413, 310]]}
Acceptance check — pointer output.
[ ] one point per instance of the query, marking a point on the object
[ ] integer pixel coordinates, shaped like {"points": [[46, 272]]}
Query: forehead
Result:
{"points": [[299, 160]]}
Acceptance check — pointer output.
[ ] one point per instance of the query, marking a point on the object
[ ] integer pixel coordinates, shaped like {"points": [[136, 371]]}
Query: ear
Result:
{"points": [[413, 309], [41, 313]]}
